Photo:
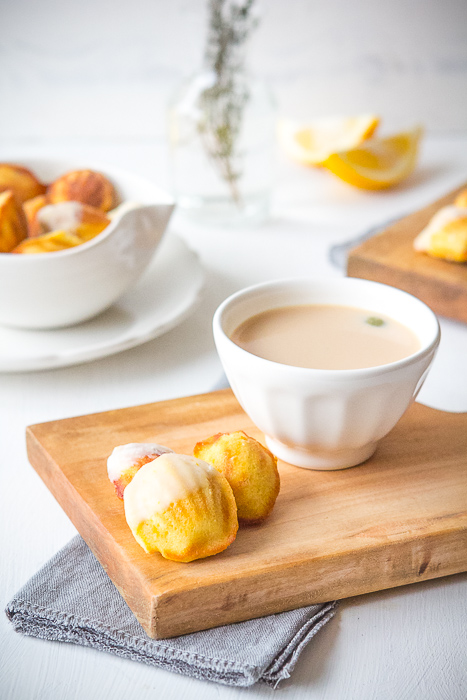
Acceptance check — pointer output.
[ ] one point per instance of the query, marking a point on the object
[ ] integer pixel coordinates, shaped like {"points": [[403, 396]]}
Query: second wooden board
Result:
{"points": [[389, 257], [399, 518]]}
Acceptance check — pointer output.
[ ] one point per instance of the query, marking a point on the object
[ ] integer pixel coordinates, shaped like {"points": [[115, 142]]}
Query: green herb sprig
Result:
{"points": [[222, 104]]}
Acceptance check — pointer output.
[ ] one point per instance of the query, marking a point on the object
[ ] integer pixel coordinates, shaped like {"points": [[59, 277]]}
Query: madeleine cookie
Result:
{"points": [[13, 224], [31, 208], [250, 469], [81, 219], [48, 243], [461, 199], [86, 186], [125, 461], [181, 507], [445, 236], [21, 181]]}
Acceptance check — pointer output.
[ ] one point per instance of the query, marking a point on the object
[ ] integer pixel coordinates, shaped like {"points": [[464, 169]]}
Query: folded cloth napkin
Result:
{"points": [[71, 599]]}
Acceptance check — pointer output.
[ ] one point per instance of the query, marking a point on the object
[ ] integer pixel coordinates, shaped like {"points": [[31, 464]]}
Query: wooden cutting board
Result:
{"points": [[399, 518], [389, 257]]}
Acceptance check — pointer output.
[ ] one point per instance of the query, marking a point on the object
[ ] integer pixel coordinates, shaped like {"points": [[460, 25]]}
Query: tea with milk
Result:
{"points": [[325, 337]]}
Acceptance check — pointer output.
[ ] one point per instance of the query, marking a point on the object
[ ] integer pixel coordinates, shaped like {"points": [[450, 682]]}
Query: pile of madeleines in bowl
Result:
{"points": [[44, 218], [189, 507]]}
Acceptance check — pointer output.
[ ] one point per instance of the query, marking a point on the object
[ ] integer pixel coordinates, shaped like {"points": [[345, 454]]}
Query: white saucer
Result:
{"points": [[166, 294]]}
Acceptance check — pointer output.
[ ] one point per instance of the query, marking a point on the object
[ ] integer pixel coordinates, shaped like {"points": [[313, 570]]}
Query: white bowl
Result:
{"points": [[324, 419], [49, 290]]}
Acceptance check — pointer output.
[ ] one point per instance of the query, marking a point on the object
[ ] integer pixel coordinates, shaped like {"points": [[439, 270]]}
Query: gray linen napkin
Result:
{"points": [[71, 599]]}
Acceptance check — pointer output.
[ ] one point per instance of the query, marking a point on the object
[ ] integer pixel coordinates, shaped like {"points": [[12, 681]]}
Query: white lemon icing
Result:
{"points": [[125, 456], [158, 484], [62, 215], [442, 217]]}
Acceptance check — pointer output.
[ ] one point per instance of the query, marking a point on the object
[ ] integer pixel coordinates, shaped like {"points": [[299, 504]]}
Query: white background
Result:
{"points": [[91, 80], [103, 68]]}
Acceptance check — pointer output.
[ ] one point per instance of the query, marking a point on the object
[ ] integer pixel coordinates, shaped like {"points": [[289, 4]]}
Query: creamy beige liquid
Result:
{"points": [[326, 337]]}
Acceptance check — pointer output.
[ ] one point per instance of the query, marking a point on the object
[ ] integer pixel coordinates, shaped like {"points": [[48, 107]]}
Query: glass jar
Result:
{"points": [[222, 145]]}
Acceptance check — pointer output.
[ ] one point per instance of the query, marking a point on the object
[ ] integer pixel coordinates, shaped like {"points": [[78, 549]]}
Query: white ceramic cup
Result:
{"points": [[320, 418]]}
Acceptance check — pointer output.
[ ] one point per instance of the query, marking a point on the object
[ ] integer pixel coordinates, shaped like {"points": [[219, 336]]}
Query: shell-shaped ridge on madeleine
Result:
{"points": [[181, 507], [249, 467]]}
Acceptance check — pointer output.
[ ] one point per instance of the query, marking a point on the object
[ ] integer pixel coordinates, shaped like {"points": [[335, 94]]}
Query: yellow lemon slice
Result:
{"points": [[311, 144], [378, 163]]}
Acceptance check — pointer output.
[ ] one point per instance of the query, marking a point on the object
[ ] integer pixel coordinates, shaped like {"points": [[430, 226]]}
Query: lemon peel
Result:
{"points": [[312, 143], [379, 162]]}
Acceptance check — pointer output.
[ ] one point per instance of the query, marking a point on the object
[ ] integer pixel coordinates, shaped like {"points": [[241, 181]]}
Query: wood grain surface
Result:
{"points": [[399, 518], [389, 257]]}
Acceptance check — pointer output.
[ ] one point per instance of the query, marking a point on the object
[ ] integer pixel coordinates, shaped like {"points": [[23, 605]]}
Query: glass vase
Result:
{"points": [[222, 147]]}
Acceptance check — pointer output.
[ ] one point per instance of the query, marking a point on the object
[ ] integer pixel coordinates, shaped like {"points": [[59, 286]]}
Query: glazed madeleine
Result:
{"points": [[181, 507], [83, 220], [126, 460], [445, 236]]}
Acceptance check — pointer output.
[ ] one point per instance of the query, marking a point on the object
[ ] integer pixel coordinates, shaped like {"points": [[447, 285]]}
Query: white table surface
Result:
{"points": [[406, 643]]}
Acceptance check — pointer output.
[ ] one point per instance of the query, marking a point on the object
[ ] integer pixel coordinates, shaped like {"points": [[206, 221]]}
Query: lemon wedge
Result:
{"points": [[378, 163], [311, 144]]}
